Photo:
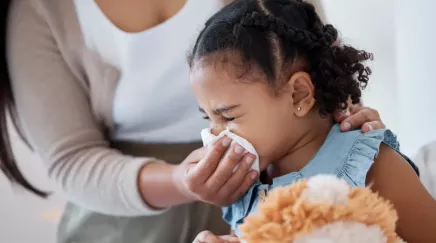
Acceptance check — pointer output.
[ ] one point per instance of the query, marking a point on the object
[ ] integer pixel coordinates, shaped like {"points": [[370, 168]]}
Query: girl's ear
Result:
{"points": [[302, 91]]}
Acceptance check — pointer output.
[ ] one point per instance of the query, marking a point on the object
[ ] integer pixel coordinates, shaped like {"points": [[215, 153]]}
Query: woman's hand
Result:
{"points": [[357, 116], [209, 237], [207, 174]]}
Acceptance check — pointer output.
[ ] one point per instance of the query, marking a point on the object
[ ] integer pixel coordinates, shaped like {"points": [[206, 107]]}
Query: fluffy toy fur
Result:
{"points": [[322, 209]]}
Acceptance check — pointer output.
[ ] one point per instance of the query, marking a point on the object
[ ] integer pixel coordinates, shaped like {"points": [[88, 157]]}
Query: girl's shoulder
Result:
{"points": [[350, 155]]}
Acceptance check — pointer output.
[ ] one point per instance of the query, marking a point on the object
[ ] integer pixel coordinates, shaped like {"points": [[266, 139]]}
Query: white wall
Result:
{"points": [[416, 69], [401, 34], [367, 25]]}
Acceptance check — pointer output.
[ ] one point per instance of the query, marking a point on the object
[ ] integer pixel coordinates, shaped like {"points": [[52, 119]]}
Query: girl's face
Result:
{"points": [[248, 108]]}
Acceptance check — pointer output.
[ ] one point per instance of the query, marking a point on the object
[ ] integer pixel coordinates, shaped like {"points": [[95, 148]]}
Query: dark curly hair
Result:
{"points": [[275, 34]]}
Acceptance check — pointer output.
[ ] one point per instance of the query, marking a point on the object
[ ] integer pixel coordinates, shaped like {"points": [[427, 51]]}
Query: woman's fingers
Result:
{"points": [[340, 116], [207, 166], [213, 180], [230, 239], [373, 126], [197, 155], [357, 120], [241, 179], [209, 237], [359, 117], [243, 188], [355, 108], [225, 168]]}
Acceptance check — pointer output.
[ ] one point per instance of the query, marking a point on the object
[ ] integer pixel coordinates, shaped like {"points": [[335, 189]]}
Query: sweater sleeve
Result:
{"points": [[57, 119]]}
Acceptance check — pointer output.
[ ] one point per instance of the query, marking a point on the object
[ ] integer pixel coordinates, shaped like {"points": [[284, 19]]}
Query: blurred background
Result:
{"points": [[401, 35]]}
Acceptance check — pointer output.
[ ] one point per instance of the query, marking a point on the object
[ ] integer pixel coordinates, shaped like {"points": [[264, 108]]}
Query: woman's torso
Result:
{"points": [[152, 101], [139, 89]]}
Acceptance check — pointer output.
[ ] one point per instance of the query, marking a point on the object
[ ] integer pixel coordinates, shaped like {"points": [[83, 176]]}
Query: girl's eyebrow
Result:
{"points": [[225, 109], [221, 110]]}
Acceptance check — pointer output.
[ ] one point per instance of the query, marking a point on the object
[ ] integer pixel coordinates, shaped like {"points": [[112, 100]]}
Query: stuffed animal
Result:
{"points": [[322, 209]]}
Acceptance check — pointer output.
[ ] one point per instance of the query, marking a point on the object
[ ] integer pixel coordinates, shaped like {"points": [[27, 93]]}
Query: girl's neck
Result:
{"points": [[304, 149]]}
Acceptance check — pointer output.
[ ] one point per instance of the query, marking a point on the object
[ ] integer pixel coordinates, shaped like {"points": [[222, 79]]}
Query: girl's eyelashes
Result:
{"points": [[225, 119], [228, 119]]}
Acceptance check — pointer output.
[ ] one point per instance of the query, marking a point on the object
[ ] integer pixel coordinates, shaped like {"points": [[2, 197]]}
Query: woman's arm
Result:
{"points": [[396, 181], [56, 117]]}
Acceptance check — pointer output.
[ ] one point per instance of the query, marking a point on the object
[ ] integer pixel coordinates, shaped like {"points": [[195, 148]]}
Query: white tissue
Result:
{"points": [[209, 140]]}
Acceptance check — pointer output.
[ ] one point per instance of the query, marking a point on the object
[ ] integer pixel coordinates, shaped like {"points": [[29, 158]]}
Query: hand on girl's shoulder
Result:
{"points": [[394, 179]]}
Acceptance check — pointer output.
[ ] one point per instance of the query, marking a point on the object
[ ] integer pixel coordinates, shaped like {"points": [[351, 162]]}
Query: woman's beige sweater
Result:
{"points": [[64, 95]]}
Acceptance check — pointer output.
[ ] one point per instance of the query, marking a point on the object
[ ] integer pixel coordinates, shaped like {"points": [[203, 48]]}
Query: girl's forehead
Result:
{"points": [[209, 76], [211, 87], [224, 71], [230, 63], [214, 88]]}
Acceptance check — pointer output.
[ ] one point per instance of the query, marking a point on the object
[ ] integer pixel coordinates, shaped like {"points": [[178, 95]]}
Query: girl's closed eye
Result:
{"points": [[228, 119], [224, 113], [223, 118]]}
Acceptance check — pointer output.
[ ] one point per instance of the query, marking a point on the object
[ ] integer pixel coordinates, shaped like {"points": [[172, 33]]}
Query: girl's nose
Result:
{"points": [[217, 129]]}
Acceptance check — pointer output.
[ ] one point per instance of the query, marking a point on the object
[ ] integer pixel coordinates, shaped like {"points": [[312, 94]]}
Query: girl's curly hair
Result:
{"points": [[275, 34]]}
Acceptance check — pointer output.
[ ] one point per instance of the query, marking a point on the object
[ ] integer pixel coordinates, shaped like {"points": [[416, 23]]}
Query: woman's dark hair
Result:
{"points": [[275, 34], [8, 163]]}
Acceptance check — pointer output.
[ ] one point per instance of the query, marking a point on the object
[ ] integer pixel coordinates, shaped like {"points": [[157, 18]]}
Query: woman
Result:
{"points": [[102, 94]]}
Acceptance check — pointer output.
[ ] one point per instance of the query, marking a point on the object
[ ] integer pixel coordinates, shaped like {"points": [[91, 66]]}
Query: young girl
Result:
{"points": [[273, 73]]}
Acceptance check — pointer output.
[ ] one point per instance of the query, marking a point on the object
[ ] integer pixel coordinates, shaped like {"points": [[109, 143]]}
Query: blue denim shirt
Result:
{"points": [[347, 155]]}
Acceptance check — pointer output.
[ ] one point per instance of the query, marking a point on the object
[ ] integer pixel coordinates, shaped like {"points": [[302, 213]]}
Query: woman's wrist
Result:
{"points": [[178, 175], [157, 186]]}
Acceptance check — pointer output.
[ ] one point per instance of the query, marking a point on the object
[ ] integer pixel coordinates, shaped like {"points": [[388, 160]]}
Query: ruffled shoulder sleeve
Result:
{"points": [[363, 153]]}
